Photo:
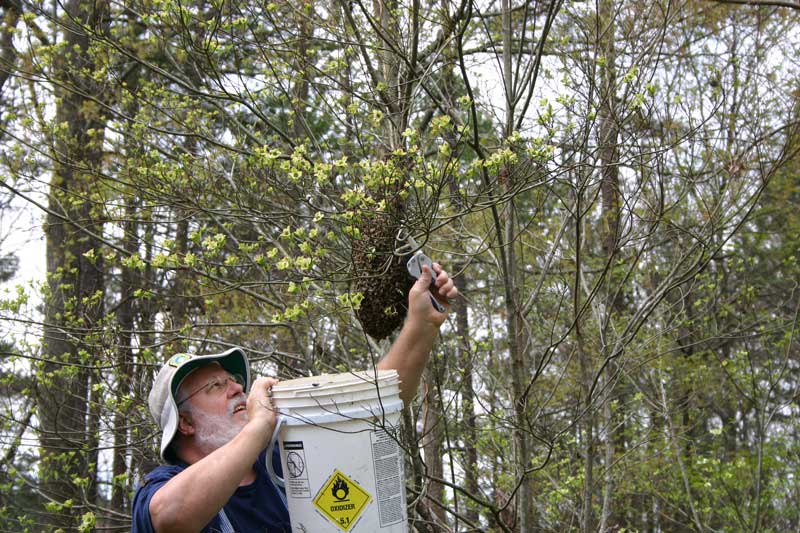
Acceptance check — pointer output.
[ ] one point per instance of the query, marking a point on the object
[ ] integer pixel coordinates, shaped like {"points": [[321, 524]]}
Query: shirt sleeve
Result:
{"points": [[144, 493]]}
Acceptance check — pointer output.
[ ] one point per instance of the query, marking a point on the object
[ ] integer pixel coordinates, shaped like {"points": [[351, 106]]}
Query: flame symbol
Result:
{"points": [[340, 486]]}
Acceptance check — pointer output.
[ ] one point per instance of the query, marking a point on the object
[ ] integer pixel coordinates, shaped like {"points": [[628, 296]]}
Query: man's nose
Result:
{"points": [[234, 387]]}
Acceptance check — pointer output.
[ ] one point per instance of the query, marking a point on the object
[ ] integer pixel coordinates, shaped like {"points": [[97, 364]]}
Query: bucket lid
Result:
{"points": [[341, 396], [330, 384]]}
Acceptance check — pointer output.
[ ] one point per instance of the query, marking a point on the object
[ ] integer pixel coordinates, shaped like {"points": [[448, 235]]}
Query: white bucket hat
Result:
{"points": [[169, 378]]}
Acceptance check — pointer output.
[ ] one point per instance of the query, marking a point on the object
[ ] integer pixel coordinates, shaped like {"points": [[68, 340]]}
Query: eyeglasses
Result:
{"points": [[215, 385]]}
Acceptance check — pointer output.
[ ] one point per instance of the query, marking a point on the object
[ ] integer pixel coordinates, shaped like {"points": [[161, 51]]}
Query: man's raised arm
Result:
{"points": [[410, 352]]}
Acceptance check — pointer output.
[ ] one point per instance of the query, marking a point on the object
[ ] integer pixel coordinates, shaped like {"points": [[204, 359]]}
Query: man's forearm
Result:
{"points": [[409, 354]]}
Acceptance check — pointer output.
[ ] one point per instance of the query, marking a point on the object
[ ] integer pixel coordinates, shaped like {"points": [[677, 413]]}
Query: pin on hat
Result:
{"points": [[163, 407]]}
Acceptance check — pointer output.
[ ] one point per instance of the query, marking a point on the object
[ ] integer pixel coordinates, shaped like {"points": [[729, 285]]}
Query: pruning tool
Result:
{"points": [[418, 259]]}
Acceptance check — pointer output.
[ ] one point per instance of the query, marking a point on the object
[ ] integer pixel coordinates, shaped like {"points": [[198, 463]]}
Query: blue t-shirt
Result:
{"points": [[259, 507]]}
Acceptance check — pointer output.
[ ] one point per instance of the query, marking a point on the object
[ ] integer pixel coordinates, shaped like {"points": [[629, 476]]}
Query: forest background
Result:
{"points": [[614, 186]]}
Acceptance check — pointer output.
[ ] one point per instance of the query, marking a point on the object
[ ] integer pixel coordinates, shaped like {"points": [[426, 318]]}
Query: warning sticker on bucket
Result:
{"points": [[296, 476], [341, 500], [389, 480]]}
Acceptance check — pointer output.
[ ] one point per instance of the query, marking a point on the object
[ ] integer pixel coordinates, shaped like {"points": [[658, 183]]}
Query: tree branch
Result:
{"points": [[771, 3]]}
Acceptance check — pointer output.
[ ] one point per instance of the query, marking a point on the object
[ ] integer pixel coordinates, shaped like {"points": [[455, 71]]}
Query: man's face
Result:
{"points": [[216, 404]]}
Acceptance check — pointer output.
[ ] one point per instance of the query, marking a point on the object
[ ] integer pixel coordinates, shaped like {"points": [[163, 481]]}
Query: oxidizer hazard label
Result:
{"points": [[341, 500]]}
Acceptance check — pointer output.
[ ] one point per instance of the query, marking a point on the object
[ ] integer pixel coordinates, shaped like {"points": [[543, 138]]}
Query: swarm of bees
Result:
{"points": [[380, 275]]}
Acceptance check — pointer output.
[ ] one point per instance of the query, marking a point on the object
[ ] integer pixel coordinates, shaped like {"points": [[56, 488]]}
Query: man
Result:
{"points": [[214, 435]]}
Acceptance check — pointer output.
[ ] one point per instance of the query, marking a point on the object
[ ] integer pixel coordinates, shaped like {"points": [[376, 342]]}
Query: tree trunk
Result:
{"points": [[300, 89], [587, 438], [432, 443], [469, 433], [125, 325], [514, 321], [608, 135], [519, 375], [74, 303], [144, 455], [585, 406], [8, 53]]}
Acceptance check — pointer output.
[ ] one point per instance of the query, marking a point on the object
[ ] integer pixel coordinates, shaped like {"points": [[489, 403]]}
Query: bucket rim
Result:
{"points": [[321, 392], [337, 381], [353, 414]]}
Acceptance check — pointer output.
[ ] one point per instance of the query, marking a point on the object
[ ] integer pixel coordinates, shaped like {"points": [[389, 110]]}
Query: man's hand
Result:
{"points": [[420, 310], [261, 411]]}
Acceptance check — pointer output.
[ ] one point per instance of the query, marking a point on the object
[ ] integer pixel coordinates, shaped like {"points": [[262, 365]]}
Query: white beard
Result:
{"points": [[214, 431]]}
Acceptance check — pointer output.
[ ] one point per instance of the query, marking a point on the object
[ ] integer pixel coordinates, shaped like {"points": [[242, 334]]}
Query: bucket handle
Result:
{"points": [[276, 479]]}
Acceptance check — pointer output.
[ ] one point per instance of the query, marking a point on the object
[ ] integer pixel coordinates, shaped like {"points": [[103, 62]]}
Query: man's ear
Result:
{"points": [[185, 424]]}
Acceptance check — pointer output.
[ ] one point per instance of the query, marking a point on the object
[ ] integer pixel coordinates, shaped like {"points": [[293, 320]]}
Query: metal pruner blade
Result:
{"points": [[414, 265]]}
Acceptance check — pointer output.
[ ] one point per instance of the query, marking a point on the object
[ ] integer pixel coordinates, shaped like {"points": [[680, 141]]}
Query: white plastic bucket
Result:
{"points": [[342, 463]]}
